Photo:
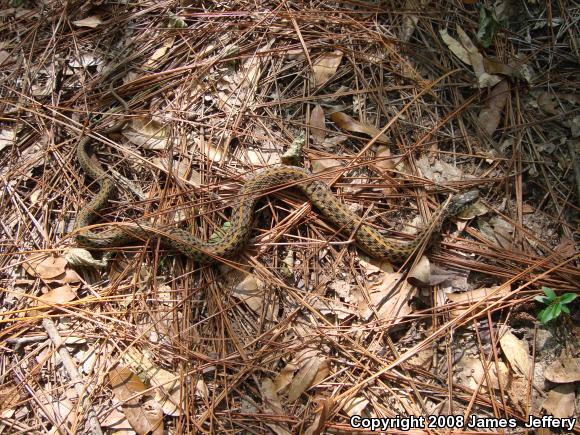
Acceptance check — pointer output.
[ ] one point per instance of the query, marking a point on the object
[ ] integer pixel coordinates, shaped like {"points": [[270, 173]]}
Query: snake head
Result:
{"points": [[462, 201]]}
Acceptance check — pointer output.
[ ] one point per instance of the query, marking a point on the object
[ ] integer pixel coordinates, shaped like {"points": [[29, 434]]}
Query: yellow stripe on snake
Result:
{"points": [[236, 236]]}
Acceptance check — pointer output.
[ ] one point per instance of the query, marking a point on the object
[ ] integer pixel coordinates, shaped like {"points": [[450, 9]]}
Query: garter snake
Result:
{"points": [[235, 237]]}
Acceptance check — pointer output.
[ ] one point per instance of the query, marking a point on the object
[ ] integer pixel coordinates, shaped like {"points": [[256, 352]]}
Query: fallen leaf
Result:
{"points": [[465, 300], [390, 303], [384, 161], [284, 378], [560, 401], [516, 352], [563, 370], [325, 66], [7, 138], [318, 124], [59, 295], [342, 120], [476, 60], [355, 406], [473, 372], [147, 133], [455, 46], [142, 412], [270, 397], [44, 265], [420, 275], [321, 166], [91, 22], [159, 53], [304, 378], [490, 115]]}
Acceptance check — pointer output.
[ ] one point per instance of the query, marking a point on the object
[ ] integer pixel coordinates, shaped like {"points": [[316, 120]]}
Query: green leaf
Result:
{"points": [[488, 27], [542, 299], [219, 234], [543, 316], [549, 292], [557, 310], [566, 298], [565, 309]]}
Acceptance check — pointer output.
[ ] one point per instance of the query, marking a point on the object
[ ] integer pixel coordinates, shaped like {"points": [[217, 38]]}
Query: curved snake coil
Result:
{"points": [[235, 237]]}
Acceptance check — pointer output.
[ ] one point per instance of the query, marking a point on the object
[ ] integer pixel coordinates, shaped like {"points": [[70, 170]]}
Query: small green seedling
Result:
{"points": [[555, 304]]}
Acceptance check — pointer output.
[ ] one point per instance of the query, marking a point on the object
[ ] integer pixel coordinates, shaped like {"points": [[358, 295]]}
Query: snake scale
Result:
{"points": [[230, 243]]}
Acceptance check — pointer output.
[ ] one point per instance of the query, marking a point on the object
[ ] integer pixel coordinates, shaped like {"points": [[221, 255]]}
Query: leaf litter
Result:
{"points": [[302, 331]]}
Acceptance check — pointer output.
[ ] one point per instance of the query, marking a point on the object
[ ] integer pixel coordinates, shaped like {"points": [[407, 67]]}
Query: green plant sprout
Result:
{"points": [[555, 304]]}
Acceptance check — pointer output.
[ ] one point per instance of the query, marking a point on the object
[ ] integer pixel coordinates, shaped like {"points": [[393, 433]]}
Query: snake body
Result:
{"points": [[229, 244]]}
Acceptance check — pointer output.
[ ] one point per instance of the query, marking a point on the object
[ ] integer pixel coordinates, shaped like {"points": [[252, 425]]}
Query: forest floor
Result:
{"points": [[396, 108]]}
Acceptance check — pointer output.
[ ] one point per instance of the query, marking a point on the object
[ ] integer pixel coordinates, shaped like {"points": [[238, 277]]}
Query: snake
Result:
{"points": [[233, 239]]}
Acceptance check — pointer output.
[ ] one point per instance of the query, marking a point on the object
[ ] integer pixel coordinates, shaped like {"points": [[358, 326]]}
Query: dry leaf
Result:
{"points": [[490, 115], [455, 46], [270, 397], [394, 302], [384, 162], [321, 166], [44, 265], [439, 172], [168, 392], [342, 120], [563, 370], [476, 60], [560, 401], [325, 66], [304, 378], [7, 138], [465, 299], [285, 376], [92, 22], [473, 372], [142, 412], [159, 53], [355, 406], [60, 295], [420, 275], [516, 352], [318, 124], [147, 133]]}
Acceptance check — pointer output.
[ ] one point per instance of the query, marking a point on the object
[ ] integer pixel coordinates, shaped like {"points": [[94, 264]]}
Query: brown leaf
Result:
{"points": [[465, 299], [392, 303], [270, 397], [285, 376], [474, 371], [45, 266], [420, 275], [320, 166], [516, 352], [91, 22], [142, 412], [563, 370], [490, 115], [60, 295], [318, 124], [560, 401], [342, 120], [147, 133], [384, 160], [304, 378], [325, 66]]}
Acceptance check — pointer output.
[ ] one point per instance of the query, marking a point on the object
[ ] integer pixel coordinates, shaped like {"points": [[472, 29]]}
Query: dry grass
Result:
{"points": [[299, 333]]}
